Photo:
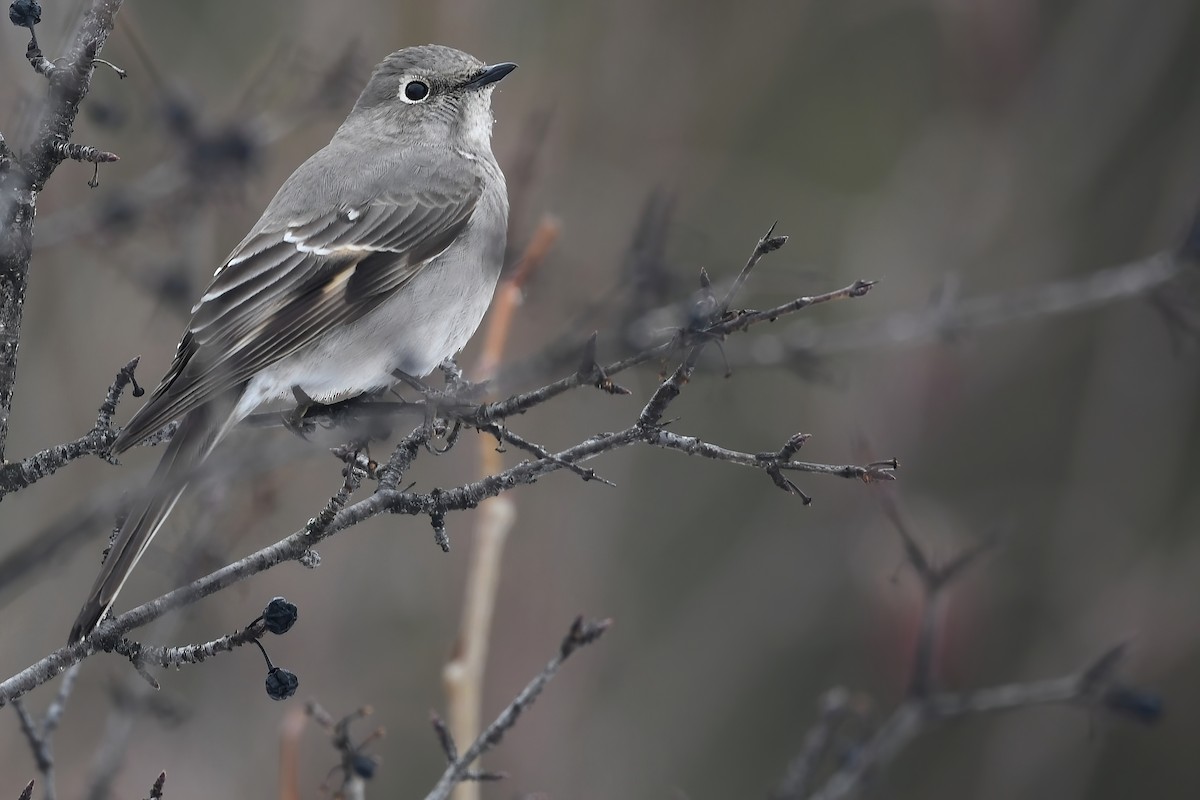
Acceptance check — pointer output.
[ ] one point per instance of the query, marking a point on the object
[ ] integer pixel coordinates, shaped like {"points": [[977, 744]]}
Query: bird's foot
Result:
{"points": [[296, 420], [439, 425]]}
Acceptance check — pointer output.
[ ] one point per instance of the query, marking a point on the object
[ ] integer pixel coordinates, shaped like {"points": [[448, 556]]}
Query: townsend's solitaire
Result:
{"points": [[378, 255]]}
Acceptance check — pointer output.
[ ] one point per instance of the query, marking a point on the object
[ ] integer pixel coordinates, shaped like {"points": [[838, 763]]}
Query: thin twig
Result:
{"points": [[581, 634], [41, 736], [595, 376], [143, 654], [21, 474], [669, 389], [1131, 280], [504, 435]]}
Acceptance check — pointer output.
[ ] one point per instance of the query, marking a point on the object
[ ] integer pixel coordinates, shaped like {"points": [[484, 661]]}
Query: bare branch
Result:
{"points": [[21, 474], [339, 514], [41, 736], [589, 374], [156, 791], [355, 767], [141, 655], [1140, 278], [916, 715], [435, 504], [581, 634], [769, 462], [1096, 685], [21, 182], [834, 707]]}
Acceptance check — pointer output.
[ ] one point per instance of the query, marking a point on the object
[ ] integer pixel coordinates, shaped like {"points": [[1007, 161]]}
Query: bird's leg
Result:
{"points": [[413, 382], [294, 420], [351, 413]]}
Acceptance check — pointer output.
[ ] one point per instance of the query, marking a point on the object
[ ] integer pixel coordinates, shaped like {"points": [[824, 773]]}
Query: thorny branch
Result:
{"points": [[436, 504], [1095, 686]]}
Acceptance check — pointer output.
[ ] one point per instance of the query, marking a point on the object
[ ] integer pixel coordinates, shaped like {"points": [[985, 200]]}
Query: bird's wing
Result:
{"points": [[288, 284]]}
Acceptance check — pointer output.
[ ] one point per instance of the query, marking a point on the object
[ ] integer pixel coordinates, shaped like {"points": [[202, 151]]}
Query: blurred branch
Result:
{"points": [[952, 316], [156, 789], [589, 373], [1097, 686], [291, 728], [209, 155], [27, 173], [130, 701], [835, 707], [355, 768], [462, 677], [459, 770], [40, 736]]}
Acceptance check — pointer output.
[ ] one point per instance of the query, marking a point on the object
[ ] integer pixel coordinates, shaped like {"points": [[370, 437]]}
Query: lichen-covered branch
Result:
{"points": [[26, 175]]}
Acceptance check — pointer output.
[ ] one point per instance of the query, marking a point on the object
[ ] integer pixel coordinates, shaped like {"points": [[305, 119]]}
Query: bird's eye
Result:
{"points": [[414, 91]]}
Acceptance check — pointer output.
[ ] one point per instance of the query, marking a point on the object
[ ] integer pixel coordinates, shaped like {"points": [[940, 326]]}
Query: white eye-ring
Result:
{"points": [[413, 90]]}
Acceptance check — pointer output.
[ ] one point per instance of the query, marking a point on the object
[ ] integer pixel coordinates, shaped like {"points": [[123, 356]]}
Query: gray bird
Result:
{"points": [[379, 254]]}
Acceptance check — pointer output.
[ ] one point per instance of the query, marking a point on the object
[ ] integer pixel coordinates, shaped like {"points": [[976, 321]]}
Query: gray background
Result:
{"points": [[1005, 143]]}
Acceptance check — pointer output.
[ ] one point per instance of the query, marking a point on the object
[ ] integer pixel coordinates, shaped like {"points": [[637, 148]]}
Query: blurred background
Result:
{"points": [[948, 149]]}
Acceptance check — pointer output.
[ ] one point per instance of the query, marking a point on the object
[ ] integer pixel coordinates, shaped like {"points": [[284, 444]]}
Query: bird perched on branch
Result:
{"points": [[378, 255]]}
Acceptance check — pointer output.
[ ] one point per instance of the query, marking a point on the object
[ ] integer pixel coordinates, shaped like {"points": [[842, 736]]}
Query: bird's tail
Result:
{"points": [[192, 442]]}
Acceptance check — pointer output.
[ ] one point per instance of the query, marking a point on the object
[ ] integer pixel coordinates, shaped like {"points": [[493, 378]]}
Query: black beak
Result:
{"points": [[490, 75]]}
